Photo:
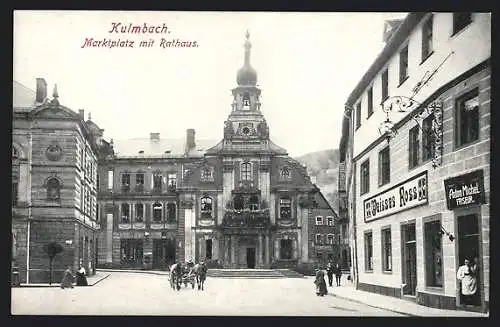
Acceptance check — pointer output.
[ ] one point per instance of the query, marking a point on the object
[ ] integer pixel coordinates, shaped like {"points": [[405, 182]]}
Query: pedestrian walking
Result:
{"points": [[338, 274], [329, 273], [81, 277], [466, 274], [68, 278], [320, 283]]}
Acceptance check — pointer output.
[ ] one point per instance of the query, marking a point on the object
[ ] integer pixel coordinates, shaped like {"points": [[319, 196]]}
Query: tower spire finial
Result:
{"points": [[247, 35], [55, 95]]}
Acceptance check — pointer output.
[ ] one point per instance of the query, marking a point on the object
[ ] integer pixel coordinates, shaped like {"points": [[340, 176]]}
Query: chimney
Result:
{"points": [[154, 136], [190, 140], [390, 26], [41, 90], [81, 112]]}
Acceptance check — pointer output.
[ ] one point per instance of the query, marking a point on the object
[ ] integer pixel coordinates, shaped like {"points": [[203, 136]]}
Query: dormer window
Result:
{"points": [[207, 174], [285, 173]]}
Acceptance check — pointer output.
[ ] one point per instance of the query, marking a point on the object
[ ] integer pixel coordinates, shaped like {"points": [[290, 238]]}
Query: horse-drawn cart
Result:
{"points": [[181, 275]]}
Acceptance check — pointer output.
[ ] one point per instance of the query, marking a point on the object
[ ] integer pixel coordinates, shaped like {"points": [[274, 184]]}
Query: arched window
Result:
{"points": [[238, 202], [139, 212], [253, 203], [246, 171], [125, 209], [285, 207], [53, 189], [206, 207], [171, 212], [157, 211], [246, 101]]}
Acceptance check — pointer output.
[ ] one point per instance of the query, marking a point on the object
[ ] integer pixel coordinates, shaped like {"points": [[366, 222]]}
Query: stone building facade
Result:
{"points": [[418, 188], [54, 167], [238, 203]]}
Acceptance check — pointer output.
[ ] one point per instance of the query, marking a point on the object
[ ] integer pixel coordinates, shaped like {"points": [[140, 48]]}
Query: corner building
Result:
{"points": [[239, 203], [418, 177], [54, 167]]}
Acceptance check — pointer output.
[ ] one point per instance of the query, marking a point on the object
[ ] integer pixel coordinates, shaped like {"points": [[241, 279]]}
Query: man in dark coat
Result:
{"points": [[329, 273], [338, 274]]}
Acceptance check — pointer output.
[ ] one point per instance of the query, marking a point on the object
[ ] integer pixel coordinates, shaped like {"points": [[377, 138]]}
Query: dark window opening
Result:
{"points": [[208, 249], [206, 207], [386, 250], [286, 249], [358, 115], [365, 177], [157, 212], [125, 182], [428, 139], [125, 210], [157, 182], [467, 122], [370, 102], [384, 165], [285, 208], [139, 212], [433, 254], [414, 146], [385, 85], [461, 20], [427, 47], [403, 65], [368, 251], [53, 189], [246, 171], [171, 212]]}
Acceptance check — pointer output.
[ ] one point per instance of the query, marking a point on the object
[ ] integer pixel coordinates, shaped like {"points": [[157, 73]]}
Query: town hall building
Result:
{"points": [[241, 202]]}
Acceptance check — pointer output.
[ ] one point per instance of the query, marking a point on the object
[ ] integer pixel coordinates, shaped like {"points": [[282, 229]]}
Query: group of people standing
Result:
{"points": [[320, 282], [68, 278]]}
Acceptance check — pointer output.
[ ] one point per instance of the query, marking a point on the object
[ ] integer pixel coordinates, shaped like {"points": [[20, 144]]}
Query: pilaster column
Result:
{"points": [[260, 254], [233, 251], [266, 246], [294, 249], [276, 249]]}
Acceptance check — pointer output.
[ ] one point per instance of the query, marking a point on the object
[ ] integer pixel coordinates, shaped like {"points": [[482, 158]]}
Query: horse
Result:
{"points": [[200, 270], [176, 276]]}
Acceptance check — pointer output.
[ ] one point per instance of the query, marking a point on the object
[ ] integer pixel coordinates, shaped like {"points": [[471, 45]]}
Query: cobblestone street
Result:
{"points": [[148, 294]]}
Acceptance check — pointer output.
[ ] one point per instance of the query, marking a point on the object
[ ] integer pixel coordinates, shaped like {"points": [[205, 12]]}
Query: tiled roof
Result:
{"points": [[23, 98], [158, 148]]}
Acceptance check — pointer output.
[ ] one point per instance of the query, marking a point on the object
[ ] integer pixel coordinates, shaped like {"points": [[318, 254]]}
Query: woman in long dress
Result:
{"points": [[468, 280], [320, 283], [81, 279], [68, 278]]}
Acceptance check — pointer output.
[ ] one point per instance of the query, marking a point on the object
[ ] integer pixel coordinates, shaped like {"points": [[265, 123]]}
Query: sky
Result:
{"points": [[307, 65]]}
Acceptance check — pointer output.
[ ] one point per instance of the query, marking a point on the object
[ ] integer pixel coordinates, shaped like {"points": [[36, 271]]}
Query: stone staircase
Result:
{"points": [[253, 273]]}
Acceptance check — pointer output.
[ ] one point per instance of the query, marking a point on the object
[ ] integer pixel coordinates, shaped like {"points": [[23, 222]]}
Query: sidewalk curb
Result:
{"points": [[151, 272], [374, 306], [100, 280]]}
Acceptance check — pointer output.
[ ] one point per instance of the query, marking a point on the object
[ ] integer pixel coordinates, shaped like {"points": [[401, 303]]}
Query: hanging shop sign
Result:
{"points": [[465, 190], [405, 195]]}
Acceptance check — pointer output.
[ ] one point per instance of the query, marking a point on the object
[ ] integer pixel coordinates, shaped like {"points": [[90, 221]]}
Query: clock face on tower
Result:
{"points": [[245, 129]]}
